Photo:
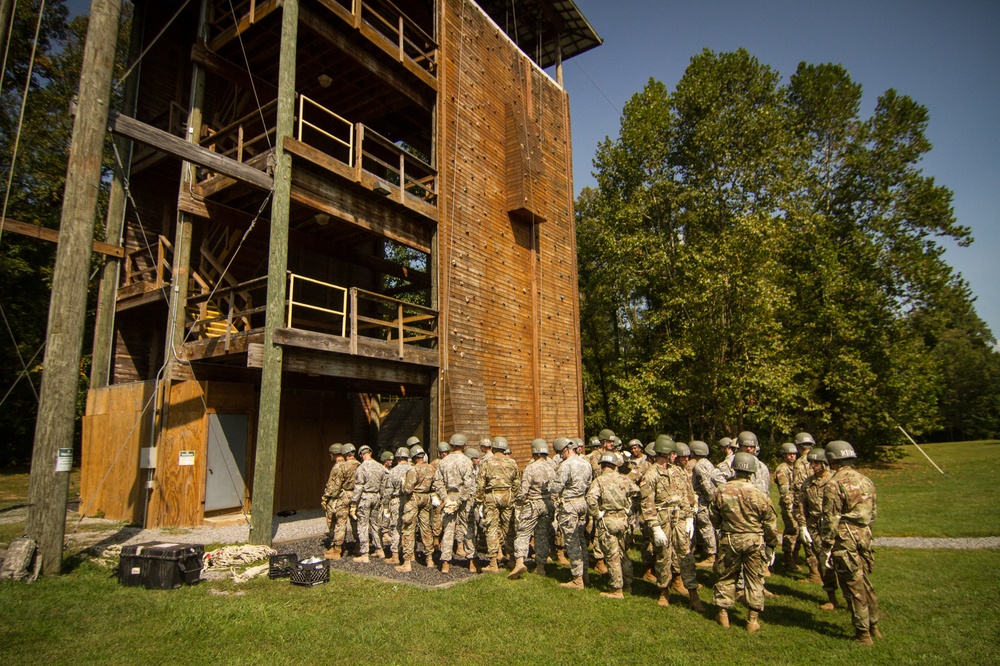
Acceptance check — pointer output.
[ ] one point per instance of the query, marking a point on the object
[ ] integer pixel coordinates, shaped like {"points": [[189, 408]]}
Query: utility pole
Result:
{"points": [[49, 483]]}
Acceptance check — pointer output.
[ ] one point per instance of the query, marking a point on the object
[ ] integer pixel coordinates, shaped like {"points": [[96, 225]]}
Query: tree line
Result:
{"points": [[755, 255]]}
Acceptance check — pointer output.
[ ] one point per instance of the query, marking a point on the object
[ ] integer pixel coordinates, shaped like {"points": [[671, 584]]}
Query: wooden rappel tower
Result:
{"points": [[346, 220]]}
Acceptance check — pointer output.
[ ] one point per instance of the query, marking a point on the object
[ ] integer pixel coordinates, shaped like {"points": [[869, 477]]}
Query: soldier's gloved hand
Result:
{"points": [[769, 555], [827, 559], [479, 511], [450, 506], [435, 501], [387, 514], [689, 527], [659, 537], [354, 511], [804, 535], [600, 515]]}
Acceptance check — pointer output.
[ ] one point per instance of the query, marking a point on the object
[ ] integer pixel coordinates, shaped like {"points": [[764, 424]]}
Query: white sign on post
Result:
{"points": [[186, 459], [64, 460]]}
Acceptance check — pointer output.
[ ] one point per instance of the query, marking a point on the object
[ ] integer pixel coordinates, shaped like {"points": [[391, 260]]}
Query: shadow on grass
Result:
{"points": [[837, 626], [73, 562]]}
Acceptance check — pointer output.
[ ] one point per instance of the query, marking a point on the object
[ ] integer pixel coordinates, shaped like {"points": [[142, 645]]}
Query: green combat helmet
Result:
{"points": [[500, 444], [788, 447], [559, 444], [839, 450], [336, 449], [606, 435], [727, 443], [576, 442], [804, 440], [403, 452], [458, 440], [683, 451], [472, 452], [744, 462], [699, 448], [540, 446], [412, 440], [594, 442], [445, 447], [746, 438], [608, 458], [650, 450], [817, 455], [348, 449], [417, 450], [634, 442], [664, 445], [386, 455], [364, 449]]}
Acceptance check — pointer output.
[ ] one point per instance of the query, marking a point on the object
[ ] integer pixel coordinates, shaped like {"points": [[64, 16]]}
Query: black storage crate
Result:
{"points": [[160, 566], [281, 565], [311, 573]]}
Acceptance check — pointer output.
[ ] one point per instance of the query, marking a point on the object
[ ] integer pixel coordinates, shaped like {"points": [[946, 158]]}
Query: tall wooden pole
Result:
{"points": [[5, 21], [269, 418], [104, 324], [49, 483]]}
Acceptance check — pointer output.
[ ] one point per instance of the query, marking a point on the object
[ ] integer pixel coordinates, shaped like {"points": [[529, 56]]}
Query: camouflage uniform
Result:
{"points": [[667, 502], [535, 511], [570, 487], [761, 479], [809, 512], [452, 483], [801, 471], [558, 538], [784, 477], [395, 479], [746, 523], [339, 489], [367, 489], [706, 480], [848, 511], [436, 517], [329, 503], [609, 501], [499, 487], [416, 494]]}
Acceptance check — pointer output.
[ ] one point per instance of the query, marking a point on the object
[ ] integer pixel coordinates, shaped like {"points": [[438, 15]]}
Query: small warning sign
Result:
{"points": [[186, 459]]}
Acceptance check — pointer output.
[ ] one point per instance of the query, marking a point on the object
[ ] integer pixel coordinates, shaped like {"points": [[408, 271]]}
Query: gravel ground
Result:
{"points": [[924, 542]]}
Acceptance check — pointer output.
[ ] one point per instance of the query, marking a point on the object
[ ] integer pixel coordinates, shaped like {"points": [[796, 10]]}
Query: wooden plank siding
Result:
{"points": [[491, 90]]}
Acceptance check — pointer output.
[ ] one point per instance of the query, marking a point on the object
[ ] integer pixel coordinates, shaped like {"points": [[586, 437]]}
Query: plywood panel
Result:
{"points": [[310, 423], [180, 490], [116, 426]]}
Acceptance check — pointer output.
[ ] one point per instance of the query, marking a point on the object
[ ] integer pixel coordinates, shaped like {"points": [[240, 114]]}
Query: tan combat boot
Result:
{"points": [[575, 584], [707, 563], [600, 567], [613, 594], [864, 637], [472, 566], [753, 626], [405, 566], [446, 567], [678, 584], [540, 569], [460, 550], [875, 632], [664, 599], [561, 557], [814, 575], [722, 618], [518, 569], [492, 566], [362, 559], [650, 577], [332, 553], [832, 603], [696, 604]]}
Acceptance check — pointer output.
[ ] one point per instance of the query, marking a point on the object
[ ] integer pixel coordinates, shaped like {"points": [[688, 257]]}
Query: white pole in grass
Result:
{"points": [[920, 449]]}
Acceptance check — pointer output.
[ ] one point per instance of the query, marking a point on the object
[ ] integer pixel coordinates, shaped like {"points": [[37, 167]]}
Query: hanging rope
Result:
{"points": [[6, 50], [253, 86]]}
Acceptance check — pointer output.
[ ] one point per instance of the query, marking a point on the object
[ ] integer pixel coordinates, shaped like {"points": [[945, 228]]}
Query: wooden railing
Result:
{"points": [[400, 169], [391, 319], [227, 310], [245, 137], [410, 39], [150, 265]]}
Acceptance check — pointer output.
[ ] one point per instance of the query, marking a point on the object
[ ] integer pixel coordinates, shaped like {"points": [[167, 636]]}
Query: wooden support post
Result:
{"points": [[559, 62], [270, 388], [49, 482], [104, 323]]}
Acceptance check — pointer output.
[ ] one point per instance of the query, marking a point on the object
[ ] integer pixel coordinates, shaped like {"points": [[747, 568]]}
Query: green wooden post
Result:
{"points": [[269, 414]]}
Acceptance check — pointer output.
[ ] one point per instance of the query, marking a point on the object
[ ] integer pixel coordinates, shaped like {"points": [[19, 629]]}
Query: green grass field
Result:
{"points": [[938, 607]]}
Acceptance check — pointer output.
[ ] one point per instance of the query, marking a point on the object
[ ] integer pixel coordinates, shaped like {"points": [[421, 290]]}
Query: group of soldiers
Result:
{"points": [[664, 498]]}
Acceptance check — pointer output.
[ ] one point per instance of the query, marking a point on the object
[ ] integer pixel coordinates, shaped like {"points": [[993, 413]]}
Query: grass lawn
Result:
{"points": [[938, 607]]}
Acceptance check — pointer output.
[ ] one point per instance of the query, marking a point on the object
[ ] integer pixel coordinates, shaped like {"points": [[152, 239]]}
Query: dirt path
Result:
{"points": [[925, 542]]}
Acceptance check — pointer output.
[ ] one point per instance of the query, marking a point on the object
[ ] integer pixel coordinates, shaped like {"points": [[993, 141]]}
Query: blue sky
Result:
{"points": [[945, 55]]}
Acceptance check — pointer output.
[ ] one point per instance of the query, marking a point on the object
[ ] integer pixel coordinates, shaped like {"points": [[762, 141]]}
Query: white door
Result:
{"points": [[225, 483]]}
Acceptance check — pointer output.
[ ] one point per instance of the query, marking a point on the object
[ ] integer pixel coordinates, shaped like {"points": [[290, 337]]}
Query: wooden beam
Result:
{"points": [[178, 147], [44, 233], [260, 10]]}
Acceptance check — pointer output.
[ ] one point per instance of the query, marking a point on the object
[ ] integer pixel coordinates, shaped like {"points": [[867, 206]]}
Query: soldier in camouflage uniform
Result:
{"points": [[802, 470], [747, 538], [705, 479], [668, 508], [328, 504], [558, 538], [568, 492], [606, 442], [499, 489], [384, 514], [849, 509], [339, 489], [810, 519], [452, 483], [610, 500], [396, 476], [761, 477], [416, 497], [365, 501], [725, 466], [784, 477], [533, 514], [475, 536]]}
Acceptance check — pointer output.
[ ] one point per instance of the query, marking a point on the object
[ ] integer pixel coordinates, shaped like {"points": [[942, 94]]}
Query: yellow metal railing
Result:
{"points": [[326, 126], [300, 322]]}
